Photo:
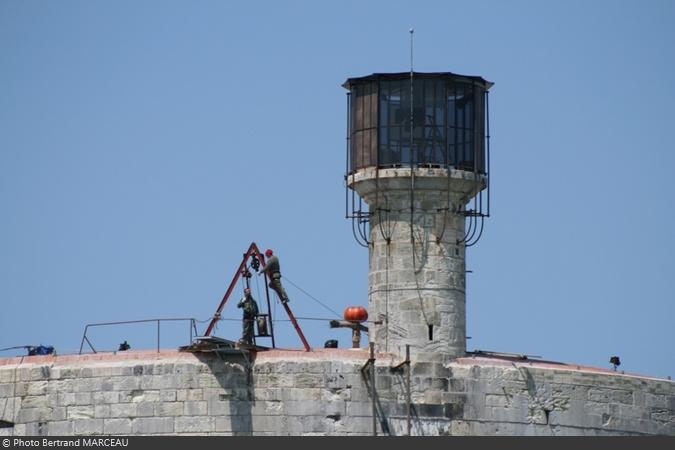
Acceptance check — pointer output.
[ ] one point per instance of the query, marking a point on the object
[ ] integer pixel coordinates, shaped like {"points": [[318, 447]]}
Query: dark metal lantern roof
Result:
{"points": [[406, 75]]}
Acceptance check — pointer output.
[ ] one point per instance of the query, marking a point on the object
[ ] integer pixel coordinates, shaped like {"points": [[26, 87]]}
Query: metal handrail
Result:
{"points": [[193, 327]]}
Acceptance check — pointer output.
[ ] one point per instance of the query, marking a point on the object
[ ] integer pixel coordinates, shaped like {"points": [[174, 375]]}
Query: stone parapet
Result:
{"points": [[323, 392]]}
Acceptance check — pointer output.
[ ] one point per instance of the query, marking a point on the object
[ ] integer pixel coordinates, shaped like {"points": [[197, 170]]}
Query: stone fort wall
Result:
{"points": [[322, 393]]}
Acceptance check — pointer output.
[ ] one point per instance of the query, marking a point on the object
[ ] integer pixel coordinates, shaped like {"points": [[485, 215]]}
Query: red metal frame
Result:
{"points": [[253, 250]]}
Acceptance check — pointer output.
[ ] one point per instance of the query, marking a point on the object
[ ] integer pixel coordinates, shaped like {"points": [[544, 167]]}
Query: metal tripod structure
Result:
{"points": [[253, 253]]}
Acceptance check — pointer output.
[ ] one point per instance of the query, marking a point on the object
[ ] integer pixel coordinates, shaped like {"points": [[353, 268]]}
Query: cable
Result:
{"points": [[312, 297], [325, 319], [15, 348], [257, 287], [386, 298]]}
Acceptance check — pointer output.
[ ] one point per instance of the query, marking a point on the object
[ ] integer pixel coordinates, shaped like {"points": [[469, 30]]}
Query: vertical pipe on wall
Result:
{"points": [[372, 385]]}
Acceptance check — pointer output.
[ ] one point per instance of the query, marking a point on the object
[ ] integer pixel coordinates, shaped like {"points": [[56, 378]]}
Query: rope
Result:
{"points": [[386, 297], [313, 298], [16, 348], [325, 319], [205, 320], [257, 287]]}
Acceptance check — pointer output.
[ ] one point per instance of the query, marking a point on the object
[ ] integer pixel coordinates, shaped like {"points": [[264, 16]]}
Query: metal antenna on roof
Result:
{"points": [[412, 32]]}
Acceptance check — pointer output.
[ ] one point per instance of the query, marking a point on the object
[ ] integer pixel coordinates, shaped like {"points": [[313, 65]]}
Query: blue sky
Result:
{"points": [[144, 145]]}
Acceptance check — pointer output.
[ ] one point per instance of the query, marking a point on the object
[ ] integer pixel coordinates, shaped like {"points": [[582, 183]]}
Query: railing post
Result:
{"points": [[157, 335], [407, 359], [84, 335], [372, 383]]}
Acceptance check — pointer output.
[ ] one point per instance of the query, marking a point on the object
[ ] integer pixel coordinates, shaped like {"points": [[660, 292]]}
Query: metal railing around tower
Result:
{"points": [[191, 322]]}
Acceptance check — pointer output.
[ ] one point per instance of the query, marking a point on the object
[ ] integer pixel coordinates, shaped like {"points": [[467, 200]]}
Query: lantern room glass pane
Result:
{"points": [[363, 138], [447, 121], [461, 121]]}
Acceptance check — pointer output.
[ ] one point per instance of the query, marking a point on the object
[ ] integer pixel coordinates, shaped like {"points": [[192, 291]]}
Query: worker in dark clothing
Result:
{"points": [[273, 270], [250, 307]]}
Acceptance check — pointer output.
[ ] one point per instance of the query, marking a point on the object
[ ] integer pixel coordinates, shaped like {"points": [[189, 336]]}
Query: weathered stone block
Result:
{"points": [[621, 396], [335, 394], [270, 424], [107, 384], [123, 410], [185, 368], [164, 369], [120, 370], [78, 398], [52, 398], [139, 396], [168, 409], [87, 426], [37, 429], [92, 385], [269, 394], [40, 373], [501, 401], [313, 408], [194, 424], [301, 394], [104, 397], [6, 376], [359, 409], [383, 382], [222, 424], [228, 379], [271, 407], [218, 408], [209, 380], [117, 426], [80, 412], [27, 415], [359, 425], [9, 407], [146, 409], [594, 408], [101, 371], [60, 428], [195, 394], [126, 383], [423, 369], [655, 401], [6, 390], [152, 425], [195, 408], [23, 374], [37, 388], [35, 402], [101, 411], [334, 380], [167, 395], [223, 394]]}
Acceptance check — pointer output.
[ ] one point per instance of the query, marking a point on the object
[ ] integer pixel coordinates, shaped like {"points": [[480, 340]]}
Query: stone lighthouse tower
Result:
{"points": [[417, 193]]}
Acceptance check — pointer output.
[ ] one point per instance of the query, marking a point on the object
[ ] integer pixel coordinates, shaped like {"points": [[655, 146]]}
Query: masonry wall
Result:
{"points": [[322, 392]]}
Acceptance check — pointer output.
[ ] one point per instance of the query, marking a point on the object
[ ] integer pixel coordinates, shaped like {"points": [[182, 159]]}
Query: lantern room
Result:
{"points": [[417, 120]]}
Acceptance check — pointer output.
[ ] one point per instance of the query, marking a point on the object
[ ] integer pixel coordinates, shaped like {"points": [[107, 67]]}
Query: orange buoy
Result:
{"points": [[356, 314]]}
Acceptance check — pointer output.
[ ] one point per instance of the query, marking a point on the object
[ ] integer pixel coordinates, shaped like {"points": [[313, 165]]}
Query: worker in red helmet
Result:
{"points": [[273, 270]]}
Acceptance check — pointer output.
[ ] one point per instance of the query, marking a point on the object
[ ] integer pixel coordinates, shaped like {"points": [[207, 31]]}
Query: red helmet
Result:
{"points": [[268, 252]]}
